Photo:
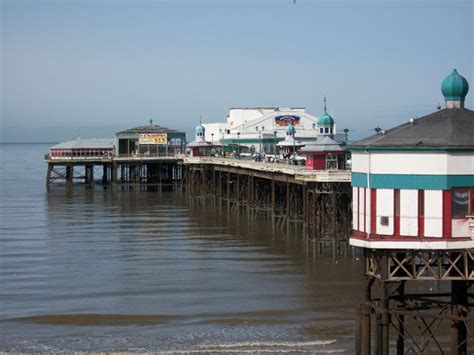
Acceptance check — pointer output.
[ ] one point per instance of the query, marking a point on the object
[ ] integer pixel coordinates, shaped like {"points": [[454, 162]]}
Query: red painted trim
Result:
{"points": [[421, 213], [447, 215], [358, 209], [396, 214], [373, 211], [365, 211]]}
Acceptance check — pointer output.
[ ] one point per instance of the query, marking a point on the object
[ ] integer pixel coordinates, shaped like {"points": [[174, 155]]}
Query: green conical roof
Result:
{"points": [[200, 128], [325, 120], [290, 129], [454, 87]]}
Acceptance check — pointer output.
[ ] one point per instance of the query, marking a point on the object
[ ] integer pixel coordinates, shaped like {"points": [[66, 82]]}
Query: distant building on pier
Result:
{"points": [[82, 149], [150, 140], [259, 129], [200, 147]]}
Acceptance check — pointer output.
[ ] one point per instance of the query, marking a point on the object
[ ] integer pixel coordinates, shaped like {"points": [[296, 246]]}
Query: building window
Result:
{"points": [[314, 126], [461, 203], [321, 130], [326, 130], [331, 162], [256, 128]]}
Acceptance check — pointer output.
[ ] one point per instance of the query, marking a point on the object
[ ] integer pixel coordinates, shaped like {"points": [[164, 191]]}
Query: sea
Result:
{"points": [[111, 270]]}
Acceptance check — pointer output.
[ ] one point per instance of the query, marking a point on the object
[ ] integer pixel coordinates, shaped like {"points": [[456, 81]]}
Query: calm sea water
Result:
{"points": [[110, 270]]}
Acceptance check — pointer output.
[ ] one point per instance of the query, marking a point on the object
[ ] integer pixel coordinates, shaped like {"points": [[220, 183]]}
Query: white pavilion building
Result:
{"points": [[413, 185]]}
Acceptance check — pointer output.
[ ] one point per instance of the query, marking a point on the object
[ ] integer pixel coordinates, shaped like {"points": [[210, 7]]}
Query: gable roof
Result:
{"points": [[448, 128], [323, 144]]}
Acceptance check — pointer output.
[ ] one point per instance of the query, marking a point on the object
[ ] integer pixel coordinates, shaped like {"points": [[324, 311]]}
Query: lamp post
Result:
{"points": [[294, 147], [275, 144], [212, 138], [238, 145], [260, 143]]}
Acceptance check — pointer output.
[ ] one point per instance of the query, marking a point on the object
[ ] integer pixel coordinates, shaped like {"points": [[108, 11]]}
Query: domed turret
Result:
{"points": [[454, 88], [325, 122], [290, 129], [200, 129]]}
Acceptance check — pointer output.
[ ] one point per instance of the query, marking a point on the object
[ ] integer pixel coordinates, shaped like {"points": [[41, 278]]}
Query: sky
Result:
{"points": [[88, 69]]}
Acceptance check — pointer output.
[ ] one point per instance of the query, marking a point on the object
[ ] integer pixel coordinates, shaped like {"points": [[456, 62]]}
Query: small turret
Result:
{"points": [[325, 123], [454, 88]]}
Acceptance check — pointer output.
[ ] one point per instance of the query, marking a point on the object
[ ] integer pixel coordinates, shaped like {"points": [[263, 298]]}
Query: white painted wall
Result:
{"points": [[433, 213], [361, 209], [367, 212], [385, 208], [409, 212], [460, 228], [461, 163], [360, 162], [355, 209], [218, 129], [411, 163], [414, 163], [238, 116]]}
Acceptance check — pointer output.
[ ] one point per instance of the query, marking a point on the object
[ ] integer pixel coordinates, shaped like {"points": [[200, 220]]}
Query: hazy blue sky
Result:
{"points": [[91, 68]]}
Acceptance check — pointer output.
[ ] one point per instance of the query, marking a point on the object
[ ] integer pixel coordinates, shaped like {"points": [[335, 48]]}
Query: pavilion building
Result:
{"points": [[150, 140], [413, 185], [200, 147], [325, 153]]}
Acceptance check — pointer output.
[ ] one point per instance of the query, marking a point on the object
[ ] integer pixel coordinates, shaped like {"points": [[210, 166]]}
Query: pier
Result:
{"points": [[314, 203]]}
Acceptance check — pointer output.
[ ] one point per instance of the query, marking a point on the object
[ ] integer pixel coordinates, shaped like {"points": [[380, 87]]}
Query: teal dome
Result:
{"points": [[290, 129], [325, 120], [200, 128], [454, 87]]}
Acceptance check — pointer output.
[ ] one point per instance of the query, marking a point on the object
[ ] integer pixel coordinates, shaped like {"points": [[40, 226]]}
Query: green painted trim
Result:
{"points": [[412, 181], [359, 180], [409, 149]]}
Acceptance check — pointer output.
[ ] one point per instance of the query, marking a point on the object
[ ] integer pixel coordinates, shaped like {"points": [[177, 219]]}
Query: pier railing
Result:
{"points": [[296, 170]]}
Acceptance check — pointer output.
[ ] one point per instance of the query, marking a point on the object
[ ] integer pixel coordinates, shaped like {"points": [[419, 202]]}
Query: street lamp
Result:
{"points": [[260, 143], [212, 138], [238, 145], [275, 144], [294, 147]]}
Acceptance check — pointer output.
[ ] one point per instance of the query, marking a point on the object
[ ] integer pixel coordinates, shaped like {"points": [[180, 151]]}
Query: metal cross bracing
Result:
{"points": [[320, 210], [421, 264], [435, 316]]}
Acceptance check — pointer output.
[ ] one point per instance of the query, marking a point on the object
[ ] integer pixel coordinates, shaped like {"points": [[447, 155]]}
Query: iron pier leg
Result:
{"points": [[459, 303]]}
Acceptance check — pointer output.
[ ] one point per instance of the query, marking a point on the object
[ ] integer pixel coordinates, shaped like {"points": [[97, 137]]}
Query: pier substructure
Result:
{"points": [[416, 302], [319, 210], [164, 174]]}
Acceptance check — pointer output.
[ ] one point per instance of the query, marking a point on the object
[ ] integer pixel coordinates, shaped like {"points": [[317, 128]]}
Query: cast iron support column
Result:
{"points": [[459, 303], [69, 174]]}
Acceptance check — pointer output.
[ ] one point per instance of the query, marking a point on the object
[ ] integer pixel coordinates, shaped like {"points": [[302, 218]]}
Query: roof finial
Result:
{"points": [[150, 121], [200, 119], [325, 109]]}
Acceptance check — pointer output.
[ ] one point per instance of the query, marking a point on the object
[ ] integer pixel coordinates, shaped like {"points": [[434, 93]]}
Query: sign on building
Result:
{"points": [[285, 120], [153, 138]]}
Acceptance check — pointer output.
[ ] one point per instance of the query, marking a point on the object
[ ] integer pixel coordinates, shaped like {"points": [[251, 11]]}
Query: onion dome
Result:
{"points": [[454, 87], [290, 129], [200, 128], [325, 120]]}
